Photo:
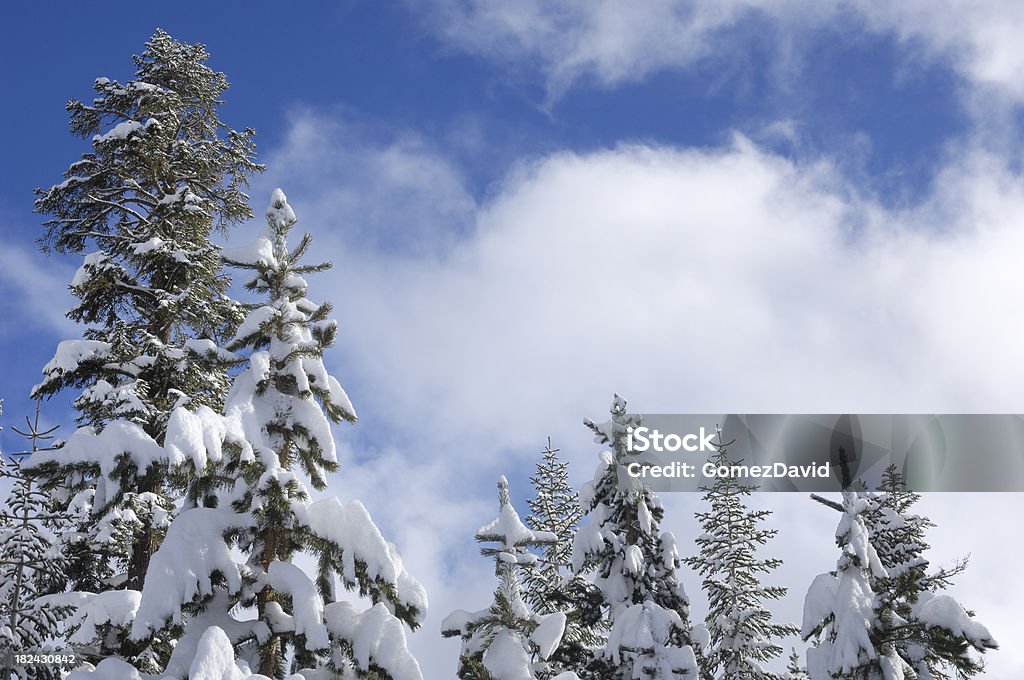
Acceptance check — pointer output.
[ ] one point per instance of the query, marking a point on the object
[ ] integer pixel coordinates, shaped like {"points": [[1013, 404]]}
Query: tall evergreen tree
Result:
{"points": [[259, 459], [30, 565], [162, 173], [550, 584], [507, 641], [633, 565], [742, 634], [936, 647]]}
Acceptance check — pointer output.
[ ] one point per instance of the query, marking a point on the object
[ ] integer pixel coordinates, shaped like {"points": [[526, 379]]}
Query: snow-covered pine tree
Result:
{"points": [[140, 205], [30, 566], [259, 458], [507, 641], [932, 632], [795, 669], [742, 634], [634, 566], [842, 611], [550, 584]]}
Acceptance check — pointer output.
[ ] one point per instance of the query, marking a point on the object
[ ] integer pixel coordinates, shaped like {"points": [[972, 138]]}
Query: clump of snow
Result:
{"points": [[199, 436], [155, 243], [942, 611], [633, 562], [103, 449], [506, 659], [93, 263], [260, 251], [588, 539], [351, 528], [93, 611], [701, 636], [255, 321], [71, 353], [108, 669], [644, 631], [217, 613], [215, 658], [375, 635], [818, 603], [548, 633], [182, 569], [280, 214], [458, 621], [508, 530], [122, 130], [307, 605]]}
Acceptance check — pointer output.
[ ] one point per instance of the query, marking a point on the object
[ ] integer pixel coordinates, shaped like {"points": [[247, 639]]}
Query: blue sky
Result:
{"points": [[705, 206], [381, 68]]}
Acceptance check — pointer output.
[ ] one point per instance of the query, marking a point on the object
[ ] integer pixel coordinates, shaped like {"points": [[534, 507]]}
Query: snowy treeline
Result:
{"points": [[599, 559], [164, 537]]}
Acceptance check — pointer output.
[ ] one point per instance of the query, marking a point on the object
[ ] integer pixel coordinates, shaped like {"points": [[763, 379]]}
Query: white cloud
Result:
{"points": [[613, 43], [701, 281], [35, 290], [372, 186]]}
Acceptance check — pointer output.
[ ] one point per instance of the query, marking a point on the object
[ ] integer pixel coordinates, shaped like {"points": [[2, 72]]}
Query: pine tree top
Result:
{"points": [[509, 532]]}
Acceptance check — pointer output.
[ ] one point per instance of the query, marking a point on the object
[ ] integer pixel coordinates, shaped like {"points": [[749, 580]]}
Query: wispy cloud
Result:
{"points": [[610, 43], [34, 291]]}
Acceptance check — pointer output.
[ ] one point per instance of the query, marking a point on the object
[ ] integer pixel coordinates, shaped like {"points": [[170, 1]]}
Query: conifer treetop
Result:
{"points": [[742, 634], [633, 564]]}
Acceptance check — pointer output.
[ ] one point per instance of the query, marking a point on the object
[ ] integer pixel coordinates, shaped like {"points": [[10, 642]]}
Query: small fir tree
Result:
{"points": [[936, 647], [742, 634], [795, 669], [850, 624], [550, 584], [507, 641], [30, 566], [633, 565], [876, 619]]}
